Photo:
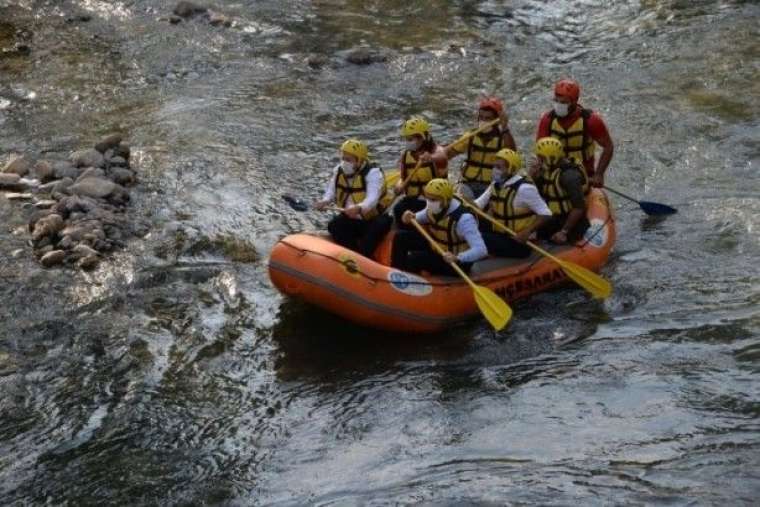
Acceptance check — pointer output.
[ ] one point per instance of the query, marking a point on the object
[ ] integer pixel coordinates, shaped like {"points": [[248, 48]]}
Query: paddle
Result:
{"points": [[597, 286], [493, 308], [650, 208]]}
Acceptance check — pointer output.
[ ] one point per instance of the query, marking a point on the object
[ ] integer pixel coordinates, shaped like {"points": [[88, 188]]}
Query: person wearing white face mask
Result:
{"points": [[579, 129], [481, 148], [450, 224], [358, 187], [419, 144], [513, 200]]}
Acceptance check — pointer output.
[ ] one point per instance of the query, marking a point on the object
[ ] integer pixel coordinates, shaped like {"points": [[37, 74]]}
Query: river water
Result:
{"points": [[176, 374]]}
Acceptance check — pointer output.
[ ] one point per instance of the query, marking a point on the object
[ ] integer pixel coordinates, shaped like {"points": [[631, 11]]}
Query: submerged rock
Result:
{"points": [[365, 56], [188, 9]]}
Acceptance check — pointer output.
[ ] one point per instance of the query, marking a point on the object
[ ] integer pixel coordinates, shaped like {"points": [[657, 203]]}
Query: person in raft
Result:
{"points": [[358, 187], [513, 200], [451, 226], [482, 148], [579, 129], [563, 184], [419, 143]]}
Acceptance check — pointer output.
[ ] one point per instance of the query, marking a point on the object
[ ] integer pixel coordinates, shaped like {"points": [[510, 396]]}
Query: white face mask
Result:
{"points": [[497, 176], [434, 207], [347, 167], [413, 145], [561, 109]]}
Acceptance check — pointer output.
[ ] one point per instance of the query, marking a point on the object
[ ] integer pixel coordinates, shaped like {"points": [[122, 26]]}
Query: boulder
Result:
{"points": [[118, 162], [53, 258], [87, 158], [121, 176], [123, 151], [47, 226], [65, 170], [83, 250], [109, 142], [10, 181], [44, 171], [89, 262], [92, 172], [19, 165], [93, 187], [188, 9], [365, 56]]}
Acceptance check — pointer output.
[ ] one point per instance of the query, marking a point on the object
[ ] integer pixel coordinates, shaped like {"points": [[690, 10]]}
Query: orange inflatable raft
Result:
{"points": [[370, 293]]}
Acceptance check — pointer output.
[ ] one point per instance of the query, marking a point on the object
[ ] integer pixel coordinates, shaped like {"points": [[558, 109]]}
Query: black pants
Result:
{"points": [[360, 235], [504, 245], [411, 252], [555, 225], [413, 204]]}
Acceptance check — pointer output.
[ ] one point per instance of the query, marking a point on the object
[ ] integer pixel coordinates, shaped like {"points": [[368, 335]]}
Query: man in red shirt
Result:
{"points": [[579, 129]]}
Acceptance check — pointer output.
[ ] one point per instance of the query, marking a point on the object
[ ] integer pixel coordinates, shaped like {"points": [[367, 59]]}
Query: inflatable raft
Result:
{"points": [[370, 293]]}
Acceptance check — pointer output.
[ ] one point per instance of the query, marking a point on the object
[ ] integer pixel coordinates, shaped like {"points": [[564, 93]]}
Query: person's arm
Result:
{"points": [[374, 187], [422, 217], [544, 127], [601, 136], [528, 197], [456, 148], [572, 183], [467, 228], [441, 162], [482, 201]]}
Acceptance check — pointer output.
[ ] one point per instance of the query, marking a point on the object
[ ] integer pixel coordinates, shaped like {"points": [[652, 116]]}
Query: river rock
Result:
{"points": [[62, 186], [41, 251], [53, 258], [44, 171], [91, 172], [45, 204], [83, 250], [19, 165], [118, 162], [47, 226], [89, 262], [65, 170], [93, 187], [123, 151], [174, 19], [87, 158], [218, 19], [121, 175], [109, 142], [365, 56], [188, 9], [15, 196], [10, 181]]}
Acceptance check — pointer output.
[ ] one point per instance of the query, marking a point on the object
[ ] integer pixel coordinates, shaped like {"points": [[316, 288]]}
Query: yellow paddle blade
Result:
{"points": [[593, 283], [496, 311]]}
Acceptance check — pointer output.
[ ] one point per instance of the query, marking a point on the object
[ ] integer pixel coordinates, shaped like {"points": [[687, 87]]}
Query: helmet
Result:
{"points": [[568, 88], [512, 158], [439, 188], [491, 103], [356, 148], [550, 148], [415, 125]]}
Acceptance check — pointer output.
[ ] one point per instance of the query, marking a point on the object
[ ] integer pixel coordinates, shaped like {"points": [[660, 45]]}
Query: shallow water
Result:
{"points": [[177, 374]]}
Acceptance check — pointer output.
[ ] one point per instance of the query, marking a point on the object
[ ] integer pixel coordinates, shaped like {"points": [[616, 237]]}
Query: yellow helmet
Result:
{"points": [[415, 125], [356, 148], [439, 188], [512, 158], [551, 149]]}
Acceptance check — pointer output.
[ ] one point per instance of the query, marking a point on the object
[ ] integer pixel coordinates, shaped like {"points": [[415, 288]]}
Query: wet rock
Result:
{"points": [[316, 61], [92, 172], [218, 19], [65, 170], [47, 226], [62, 186], [89, 262], [118, 162], [19, 165], [109, 142], [121, 176], [122, 151], [188, 9], [53, 258], [74, 204], [87, 158], [37, 216], [174, 19], [83, 250], [44, 171], [365, 56], [93, 187], [40, 252], [14, 196], [45, 204], [10, 181]]}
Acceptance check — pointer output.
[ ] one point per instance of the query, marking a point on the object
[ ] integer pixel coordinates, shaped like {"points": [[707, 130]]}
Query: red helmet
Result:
{"points": [[568, 88], [491, 103]]}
